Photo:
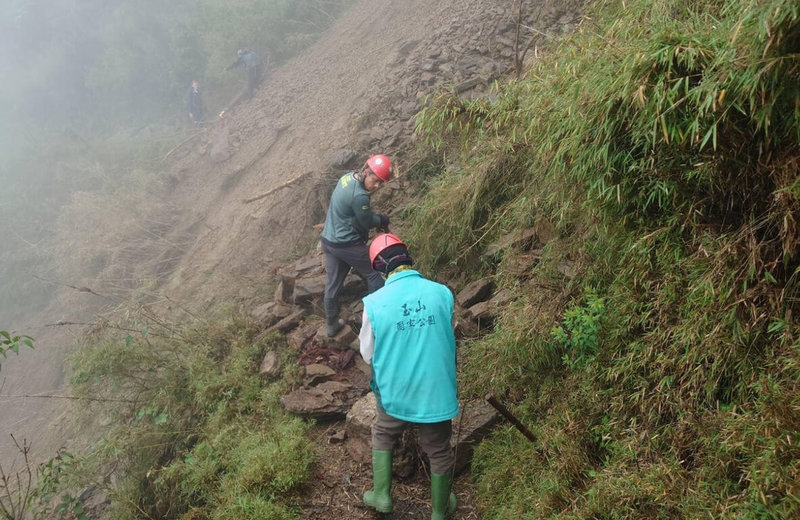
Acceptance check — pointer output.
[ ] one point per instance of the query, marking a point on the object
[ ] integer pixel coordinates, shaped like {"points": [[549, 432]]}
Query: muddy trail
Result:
{"points": [[242, 199]]}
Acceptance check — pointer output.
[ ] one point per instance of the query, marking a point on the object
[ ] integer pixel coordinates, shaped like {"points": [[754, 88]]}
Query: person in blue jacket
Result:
{"points": [[252, 68], [407, 336]]}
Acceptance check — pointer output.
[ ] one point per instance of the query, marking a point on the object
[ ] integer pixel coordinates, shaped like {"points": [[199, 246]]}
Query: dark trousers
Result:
{"points": [[434, 439], [338, 261]]}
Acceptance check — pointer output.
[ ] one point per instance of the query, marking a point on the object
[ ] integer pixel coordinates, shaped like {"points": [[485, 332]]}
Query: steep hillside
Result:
{"points": [[357, 89], [185, 238]]}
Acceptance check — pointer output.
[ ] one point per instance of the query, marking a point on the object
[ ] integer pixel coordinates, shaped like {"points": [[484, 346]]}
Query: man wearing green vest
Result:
{"points": [[407, 337], [344, 237]]}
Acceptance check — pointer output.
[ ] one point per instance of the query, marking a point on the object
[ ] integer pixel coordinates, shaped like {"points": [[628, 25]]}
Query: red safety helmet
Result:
{"points": [[381, 166], [380, 244]]}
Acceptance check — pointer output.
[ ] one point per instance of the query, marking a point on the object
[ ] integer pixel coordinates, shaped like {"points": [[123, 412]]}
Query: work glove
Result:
{"points": [[384, 225]]}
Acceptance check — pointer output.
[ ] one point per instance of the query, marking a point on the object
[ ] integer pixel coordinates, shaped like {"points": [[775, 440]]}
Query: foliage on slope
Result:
{"points": [[654, 345], [195, 432]]}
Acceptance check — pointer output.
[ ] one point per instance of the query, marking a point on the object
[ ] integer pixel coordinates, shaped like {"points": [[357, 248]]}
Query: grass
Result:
{"points": [[196, 432], [662, 142]]}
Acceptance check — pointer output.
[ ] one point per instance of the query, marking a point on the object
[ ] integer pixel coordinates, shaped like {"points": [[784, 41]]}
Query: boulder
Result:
{"points": [[302, 335], [309, 265], [263, 312], [306, 289], [285, 325], [521, 265], [285, 289], [491, 307], [271, 365], [342, 159], [340, 341], [330, 400], [520, 239], [477, 291], [317, 372], [474, 424]]}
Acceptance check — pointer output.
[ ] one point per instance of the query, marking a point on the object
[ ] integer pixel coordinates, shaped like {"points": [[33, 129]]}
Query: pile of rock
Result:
{"points": [[335, 383]]}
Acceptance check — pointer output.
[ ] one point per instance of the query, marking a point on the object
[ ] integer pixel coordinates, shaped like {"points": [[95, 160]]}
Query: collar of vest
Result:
{"points": [[398, 273]]}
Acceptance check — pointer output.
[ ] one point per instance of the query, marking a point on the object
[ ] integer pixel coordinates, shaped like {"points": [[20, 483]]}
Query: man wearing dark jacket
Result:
{"points": [[344, 237]]}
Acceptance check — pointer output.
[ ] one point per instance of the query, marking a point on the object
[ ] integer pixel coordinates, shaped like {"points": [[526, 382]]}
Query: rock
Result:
{"points": [[545, 231], [476, 422], [285, 325], [330, 400], [341, 340], [521, 265], [470, 83], [271, 364], [342, 159], [491, 307], [502, 40], [465, 326], [520, 239], [306, 289], [362, 366], [479, 310], [317, 372], [285, 290], [337, 437], [309, 265], [358, 424], [475, 292], [302, 335], [262, 312]]}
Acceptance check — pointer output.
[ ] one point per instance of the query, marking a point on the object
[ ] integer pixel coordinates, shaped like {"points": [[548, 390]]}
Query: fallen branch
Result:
{"points": [[273, 190], [510, 417], [55, 396], [79, 289]]}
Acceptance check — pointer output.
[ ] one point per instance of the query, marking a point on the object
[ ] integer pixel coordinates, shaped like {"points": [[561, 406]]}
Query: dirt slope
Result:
{"points": [[195, 241], [357, 89]]}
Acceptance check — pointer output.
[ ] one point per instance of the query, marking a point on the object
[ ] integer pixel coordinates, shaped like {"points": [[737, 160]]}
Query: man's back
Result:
{"points": [[414, 362]]}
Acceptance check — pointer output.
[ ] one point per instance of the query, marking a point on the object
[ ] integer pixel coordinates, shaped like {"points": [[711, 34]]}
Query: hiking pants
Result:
{"points": [[434, 438], [338, 261]]}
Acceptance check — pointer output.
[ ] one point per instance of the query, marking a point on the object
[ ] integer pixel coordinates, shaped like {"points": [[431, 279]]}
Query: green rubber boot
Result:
{"points": [[443, 502], [380, 496]]}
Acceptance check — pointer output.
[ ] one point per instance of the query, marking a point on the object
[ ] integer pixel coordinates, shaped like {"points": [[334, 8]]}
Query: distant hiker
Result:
{"points": [[195, 104], [252, 68], [344, 237], [407, 337]]}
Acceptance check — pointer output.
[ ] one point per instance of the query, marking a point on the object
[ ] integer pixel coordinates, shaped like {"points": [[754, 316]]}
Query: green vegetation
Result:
{"points": [[11, 342], [196, 432], [653, 345]]}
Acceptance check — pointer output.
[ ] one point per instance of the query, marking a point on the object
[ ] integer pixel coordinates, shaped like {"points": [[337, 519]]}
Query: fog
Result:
{"points": [[90, 84]]}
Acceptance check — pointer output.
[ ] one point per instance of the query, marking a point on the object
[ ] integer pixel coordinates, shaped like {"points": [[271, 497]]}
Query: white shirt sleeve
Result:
{"points": [[366, 338]]}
